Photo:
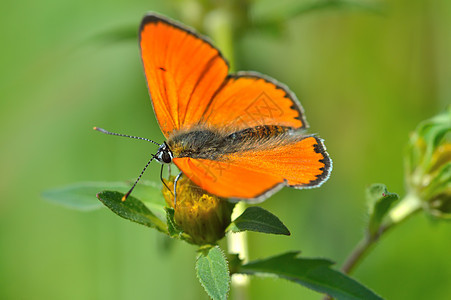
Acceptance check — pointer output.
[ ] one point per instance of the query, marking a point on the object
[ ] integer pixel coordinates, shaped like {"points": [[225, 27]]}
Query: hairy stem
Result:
{"points": [[407, 207], [237, 244], [356, 255]]}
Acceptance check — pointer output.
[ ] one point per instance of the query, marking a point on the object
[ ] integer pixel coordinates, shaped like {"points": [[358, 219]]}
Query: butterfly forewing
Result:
{"points": [[188, 83], [183, 72]]}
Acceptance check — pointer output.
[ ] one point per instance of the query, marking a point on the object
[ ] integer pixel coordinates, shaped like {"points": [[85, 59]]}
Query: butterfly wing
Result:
{"points": [[249, 99], [189, 86], [253, 175], [225, 179], [183, 71], [188, 83]]}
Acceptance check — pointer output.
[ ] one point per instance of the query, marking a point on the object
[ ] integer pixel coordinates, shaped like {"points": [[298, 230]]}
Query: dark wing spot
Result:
{"points": [[317, 149], [162, 69]]}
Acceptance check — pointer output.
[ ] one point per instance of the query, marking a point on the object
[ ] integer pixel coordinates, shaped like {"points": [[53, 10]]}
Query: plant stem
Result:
{"points": [[405, 208], [237, 243], [356, 255], [217, 24]]}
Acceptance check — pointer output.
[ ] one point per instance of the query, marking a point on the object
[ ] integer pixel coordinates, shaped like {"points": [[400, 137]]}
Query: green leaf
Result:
{"points": [[82, 195], [315, 274], [258, 219], [302, 7], [380, 201], [213, 272], [132, 209], [173, 229], [150, 194], [273, 14], [119, 34], [427, 137]]}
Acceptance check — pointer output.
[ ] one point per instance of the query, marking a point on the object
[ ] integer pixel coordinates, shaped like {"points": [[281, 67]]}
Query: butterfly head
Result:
{"points": [[164, 154]]}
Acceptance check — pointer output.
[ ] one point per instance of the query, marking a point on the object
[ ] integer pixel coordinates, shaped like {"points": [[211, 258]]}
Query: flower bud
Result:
{"points": [[428, 164], [204, 217]]}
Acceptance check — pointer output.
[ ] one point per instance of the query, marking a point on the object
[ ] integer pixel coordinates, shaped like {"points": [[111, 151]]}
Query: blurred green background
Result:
{"points": [[365, 77]]}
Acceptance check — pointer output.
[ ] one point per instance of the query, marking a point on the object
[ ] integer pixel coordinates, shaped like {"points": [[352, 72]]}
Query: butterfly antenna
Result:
{"points": [[124, 135], [139, 177]]}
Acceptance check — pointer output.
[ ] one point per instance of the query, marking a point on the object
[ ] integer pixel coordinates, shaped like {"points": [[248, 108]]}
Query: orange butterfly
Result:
{"points": [[239, 136]]}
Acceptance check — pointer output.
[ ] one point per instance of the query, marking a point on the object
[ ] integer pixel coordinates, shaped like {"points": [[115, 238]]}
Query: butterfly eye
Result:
{"points": [[166, 157]]}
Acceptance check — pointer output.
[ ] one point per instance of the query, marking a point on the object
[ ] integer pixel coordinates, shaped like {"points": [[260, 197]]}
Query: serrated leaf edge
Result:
{"points": [[227, 265], [156, 225]]}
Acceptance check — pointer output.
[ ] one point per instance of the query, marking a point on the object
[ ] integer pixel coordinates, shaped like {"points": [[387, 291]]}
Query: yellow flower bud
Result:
{"points": [[204, 217]]}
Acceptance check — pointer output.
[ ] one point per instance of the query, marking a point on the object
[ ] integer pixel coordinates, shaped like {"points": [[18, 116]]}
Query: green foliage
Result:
{"points": [[380, 201], [124, 33], [258, 219], [173, 229], [428, 136], [428, 171], [315, 274], [132, 209], [81, 196], [273, 18], [213, 272], [428, 164], [211, 266]]}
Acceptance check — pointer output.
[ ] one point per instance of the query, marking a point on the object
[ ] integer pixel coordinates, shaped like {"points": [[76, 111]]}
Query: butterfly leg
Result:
{"points": [[162, 180], [175, 188]]}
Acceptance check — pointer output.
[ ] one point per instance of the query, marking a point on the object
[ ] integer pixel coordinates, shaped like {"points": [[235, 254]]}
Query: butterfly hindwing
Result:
{"points": [[254, 174], [225, 179]]}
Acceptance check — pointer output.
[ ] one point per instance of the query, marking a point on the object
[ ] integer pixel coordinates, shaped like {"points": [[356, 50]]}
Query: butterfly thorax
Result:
{"points": [[212, 144]]}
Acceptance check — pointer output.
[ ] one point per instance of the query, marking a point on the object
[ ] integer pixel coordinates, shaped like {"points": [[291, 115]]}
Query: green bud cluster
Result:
{"points": [[428, 164]]}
